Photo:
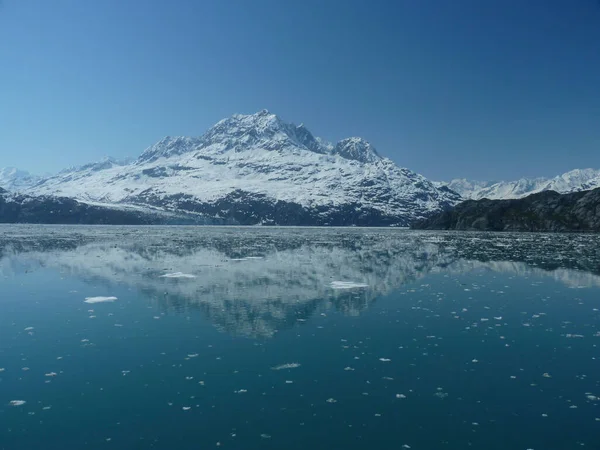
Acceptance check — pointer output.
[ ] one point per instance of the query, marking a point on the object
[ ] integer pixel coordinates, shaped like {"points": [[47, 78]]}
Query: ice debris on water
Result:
{"points": [[384, 359], [347, 285], [93, 300], [331, 400], [178, 275], [17, 402], [286, 366]]}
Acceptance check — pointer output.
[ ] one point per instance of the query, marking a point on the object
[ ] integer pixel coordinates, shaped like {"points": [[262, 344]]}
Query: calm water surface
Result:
{"points": [[245, 338]]}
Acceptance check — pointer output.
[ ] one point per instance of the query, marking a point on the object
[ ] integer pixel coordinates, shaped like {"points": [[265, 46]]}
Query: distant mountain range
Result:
{"points": [[257, 169], [574, 181], [542, 211]]}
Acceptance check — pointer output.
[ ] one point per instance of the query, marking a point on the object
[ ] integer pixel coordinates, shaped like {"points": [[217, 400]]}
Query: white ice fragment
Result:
{"points": [[400, 396], [93, 300], [331, 400], [186, 408], [51, 374], [17, 402], [241, 391], [193, 355], [286, 366], [347, 285], [29, 329], [384, 359], [178, 275]]}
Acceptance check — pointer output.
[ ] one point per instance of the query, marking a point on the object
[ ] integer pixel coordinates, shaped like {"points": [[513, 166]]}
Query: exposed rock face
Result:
{"points": [[545, 211]]}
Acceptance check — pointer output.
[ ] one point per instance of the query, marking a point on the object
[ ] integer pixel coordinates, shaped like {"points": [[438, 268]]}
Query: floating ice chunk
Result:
{"points": [[17, 402], [400, 396], [193, 355], [286, 366], [241, 391], [546, 375], [348, 368], [331, 400], [93, 300], [186, 408], [29, 329], [347, 285], [2, 369], [178, 275], [474, 360], [51, 374], [289, 382], [265, 436], [384, 359], [592, 397]]}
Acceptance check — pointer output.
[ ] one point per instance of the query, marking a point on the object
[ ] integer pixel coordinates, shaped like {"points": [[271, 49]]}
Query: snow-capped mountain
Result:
{"points": [[13, 179], [573, 181], [252, 169]]}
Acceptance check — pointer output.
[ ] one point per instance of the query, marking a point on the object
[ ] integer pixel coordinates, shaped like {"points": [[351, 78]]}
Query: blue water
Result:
{"points": [[439, 341]]}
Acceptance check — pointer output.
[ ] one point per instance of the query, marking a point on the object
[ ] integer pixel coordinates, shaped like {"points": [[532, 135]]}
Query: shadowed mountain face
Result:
{"points": [[256, 282], [546, 211]]}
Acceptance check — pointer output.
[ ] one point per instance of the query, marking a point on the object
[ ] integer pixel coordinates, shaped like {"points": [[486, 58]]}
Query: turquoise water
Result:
{"points": [[249, 338]]}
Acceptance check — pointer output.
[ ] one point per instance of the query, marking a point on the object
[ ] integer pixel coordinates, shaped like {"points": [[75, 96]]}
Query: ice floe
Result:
{"points": [[93, 300], [17, 402], [286, 366], [347, 285], [178, 275]]}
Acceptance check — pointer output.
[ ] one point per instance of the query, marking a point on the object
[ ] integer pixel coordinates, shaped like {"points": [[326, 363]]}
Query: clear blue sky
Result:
{"points": [[484, 89]]}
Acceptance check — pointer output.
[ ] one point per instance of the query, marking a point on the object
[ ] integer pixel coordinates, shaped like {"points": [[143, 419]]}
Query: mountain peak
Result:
{"points": [[358, 149]]}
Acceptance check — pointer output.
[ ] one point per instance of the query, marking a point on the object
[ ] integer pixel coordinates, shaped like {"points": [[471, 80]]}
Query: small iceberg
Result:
{"points": [[178, 275], [93, 300], [17, 402], [286, 366], [347, 285]]}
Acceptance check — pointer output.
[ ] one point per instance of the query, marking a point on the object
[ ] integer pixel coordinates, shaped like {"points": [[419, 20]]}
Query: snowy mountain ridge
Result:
{"points": [[573, 181], [13, 179], [258, 169]]}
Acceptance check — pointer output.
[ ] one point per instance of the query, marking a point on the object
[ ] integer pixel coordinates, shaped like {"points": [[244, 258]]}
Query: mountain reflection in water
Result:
{"points": [[257, 281]]}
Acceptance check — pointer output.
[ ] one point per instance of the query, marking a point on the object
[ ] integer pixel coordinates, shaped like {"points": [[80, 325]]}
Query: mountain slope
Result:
{"points": [[573, 181], [13, 179], [544, 211], [257, 169], [22, 208]]}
